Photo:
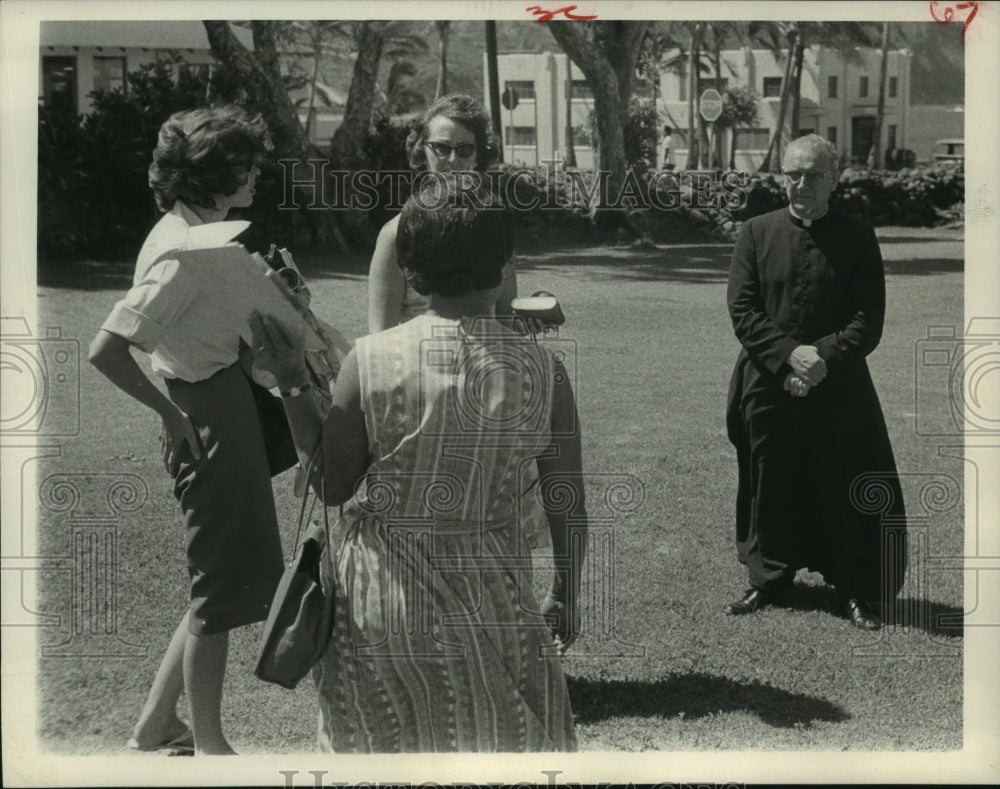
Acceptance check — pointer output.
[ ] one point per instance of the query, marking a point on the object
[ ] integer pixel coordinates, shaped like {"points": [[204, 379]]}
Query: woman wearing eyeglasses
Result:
{"points": [[453, 134]]}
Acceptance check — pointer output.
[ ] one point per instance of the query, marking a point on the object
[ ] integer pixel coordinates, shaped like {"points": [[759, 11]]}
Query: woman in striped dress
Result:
{"points": [[439, 644]]}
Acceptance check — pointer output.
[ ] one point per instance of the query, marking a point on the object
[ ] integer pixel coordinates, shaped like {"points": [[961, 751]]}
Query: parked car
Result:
{"points": [[949, 151]]}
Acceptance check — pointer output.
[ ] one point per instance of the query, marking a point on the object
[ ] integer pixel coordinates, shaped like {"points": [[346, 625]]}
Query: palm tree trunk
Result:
{"points": [[444, 31], [694, 57], [347, 150], [715, 157], [796, 84], [774, 149], [261, 66], [570, 157], [312, 89], [875, 157]]}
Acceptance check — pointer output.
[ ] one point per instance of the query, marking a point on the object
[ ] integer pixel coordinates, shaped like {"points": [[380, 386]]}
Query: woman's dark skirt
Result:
{"points": [[233, 543]]}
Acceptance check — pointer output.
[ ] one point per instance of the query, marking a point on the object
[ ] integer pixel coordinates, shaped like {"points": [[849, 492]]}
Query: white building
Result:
{"points": [[534, 130], [83, 56], [839, 101], [80, 57]]}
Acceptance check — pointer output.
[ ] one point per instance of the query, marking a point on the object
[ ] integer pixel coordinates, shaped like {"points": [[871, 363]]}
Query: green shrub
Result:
{"points": [[640, 130], [93, 191], [919, 197]]}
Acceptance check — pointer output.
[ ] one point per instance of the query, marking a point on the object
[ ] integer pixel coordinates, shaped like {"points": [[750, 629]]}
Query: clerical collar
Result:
{"points": [[802, 221]]}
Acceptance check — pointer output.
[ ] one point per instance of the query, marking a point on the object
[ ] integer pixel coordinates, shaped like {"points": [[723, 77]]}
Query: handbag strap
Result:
{"points": [[303, 517]]}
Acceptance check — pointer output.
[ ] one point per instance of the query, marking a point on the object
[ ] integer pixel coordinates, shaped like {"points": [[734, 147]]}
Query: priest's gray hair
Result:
{"points": [[817, 146]]}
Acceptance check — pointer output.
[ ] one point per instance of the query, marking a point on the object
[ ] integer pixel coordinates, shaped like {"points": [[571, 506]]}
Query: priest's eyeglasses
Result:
{"points": [[442, 150], [811, 177]]}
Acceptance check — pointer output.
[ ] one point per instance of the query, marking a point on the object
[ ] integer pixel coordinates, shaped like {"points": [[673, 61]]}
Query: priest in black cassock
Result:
{"points": [[818, 487]]}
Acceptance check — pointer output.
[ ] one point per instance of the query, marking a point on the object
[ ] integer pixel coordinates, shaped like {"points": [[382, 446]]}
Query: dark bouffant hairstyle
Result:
{"points": [[462, 109], [202, 152], [454, 236]]}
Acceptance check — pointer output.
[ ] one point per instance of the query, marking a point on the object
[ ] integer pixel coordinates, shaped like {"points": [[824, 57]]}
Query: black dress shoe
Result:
{"points": [[860, 615], [752, 601]]}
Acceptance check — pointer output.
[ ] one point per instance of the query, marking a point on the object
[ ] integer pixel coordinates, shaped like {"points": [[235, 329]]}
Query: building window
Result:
{"points": [[109, 73], [804, 130], [831, 87], [772, 87], [581, 136], [831, 134], [199, 71], [194, 77], [892, 136], [863, 88], [893, 87], [59, 83], [523, 135], [581, 89], [752, 139], [525, 89]]}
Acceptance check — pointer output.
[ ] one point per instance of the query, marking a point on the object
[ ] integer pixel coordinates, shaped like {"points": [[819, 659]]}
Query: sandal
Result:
{"points": [[183, 745]]}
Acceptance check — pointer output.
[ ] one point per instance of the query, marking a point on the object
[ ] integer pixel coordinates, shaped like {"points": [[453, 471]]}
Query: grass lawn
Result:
{"points": [[660, 667]]}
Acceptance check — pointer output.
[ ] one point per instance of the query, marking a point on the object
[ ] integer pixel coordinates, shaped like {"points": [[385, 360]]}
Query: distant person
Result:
{"points": [[892, 159], [668, 155], [205, 163], [453, 134], [807, 302]]}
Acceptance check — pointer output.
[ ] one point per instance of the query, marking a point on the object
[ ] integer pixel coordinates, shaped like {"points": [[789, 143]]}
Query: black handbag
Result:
{"points": [[278, 441], [300, 623]]}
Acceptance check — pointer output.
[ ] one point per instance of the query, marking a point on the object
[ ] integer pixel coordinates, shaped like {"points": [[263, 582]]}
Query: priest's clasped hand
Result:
{"points": [[795, 386], [808, 364]]}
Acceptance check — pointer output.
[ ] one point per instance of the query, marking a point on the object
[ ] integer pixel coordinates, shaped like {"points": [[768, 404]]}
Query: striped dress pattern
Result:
{"points": [[438, 641]]}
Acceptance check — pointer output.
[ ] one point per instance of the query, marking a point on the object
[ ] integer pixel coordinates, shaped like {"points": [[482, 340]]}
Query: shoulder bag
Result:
{"points": [[300, 623]]}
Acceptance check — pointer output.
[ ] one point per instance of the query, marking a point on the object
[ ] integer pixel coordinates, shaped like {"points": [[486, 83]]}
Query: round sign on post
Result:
{"points": [[710, 105], [509, 98]]}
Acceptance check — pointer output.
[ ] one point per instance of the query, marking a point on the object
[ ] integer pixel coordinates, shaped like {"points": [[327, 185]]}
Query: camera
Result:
{"points": [[41, 381], [497, 380], [958, 380], [541, 306]]}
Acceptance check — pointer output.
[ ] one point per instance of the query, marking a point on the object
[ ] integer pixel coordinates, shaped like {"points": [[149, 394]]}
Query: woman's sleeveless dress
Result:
{"points": [[438, 643]]}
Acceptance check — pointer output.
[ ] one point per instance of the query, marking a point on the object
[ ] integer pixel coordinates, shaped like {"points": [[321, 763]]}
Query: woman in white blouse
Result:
{"points": [[205, 164]]}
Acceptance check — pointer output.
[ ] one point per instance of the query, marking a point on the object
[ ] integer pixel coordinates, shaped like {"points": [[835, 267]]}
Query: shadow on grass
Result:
{"points": [[117, 274], [935, 619], [697, 696], [693, 263], [86, 275], [924, 266], [690, 263], [945, 235]]}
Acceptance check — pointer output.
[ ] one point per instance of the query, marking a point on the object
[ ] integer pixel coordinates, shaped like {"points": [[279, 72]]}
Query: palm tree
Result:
{"points": [[607, 53], [570, 154], [261, 68], [875, 157], [444, 31], [695, 30], [318, 34], [772, 33], [843, 36], [660, 39]]}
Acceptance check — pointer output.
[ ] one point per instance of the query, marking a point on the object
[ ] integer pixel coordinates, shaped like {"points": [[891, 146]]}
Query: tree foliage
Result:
{"points": [[93, 191], [607, 52]]}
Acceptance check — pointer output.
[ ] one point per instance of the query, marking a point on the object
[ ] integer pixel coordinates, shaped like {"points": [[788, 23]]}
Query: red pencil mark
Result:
{"points": [[566, 11], [948, 14]]}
